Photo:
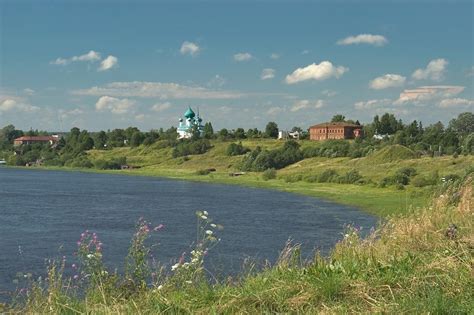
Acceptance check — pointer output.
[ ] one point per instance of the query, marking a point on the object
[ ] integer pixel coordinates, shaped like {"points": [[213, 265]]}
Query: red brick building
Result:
{"points": [[334, 130], [35, 139]]}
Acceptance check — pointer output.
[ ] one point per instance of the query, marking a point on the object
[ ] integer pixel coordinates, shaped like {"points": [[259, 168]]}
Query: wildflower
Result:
{"points": [[174, 267], [76, 277], [213, 225], [203, 217], [73, 266], [159, 227], [209, 232], [188, 281], [205, 212], [90, 256], [160, 287]]}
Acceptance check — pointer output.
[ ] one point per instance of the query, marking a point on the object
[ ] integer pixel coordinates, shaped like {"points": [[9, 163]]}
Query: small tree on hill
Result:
{"points": [[271, 130]]}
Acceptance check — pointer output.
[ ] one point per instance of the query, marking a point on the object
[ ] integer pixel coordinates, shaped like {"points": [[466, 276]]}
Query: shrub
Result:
{"points": [[350, 177], [269, 174], [203, 172], [114, 164], [408, 171], [189, 147], [327, 176], [293, 178], [311, 178], [236, 149], [259, 160]]}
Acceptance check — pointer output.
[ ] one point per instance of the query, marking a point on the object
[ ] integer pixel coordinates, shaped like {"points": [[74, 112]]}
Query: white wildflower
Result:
{"points": [[205, 213], [213, 225], [90, 256], [203, 217], [174, 267], [189, 282], [209, 232]]}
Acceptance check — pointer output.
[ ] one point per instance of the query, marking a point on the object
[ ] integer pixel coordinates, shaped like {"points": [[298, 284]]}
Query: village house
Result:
{"points": [[36, 139], [334, 130]]}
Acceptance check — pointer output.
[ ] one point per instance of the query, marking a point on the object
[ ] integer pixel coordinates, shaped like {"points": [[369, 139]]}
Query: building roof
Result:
{"points": [[335, 124], [37, 138], [189, 113]]}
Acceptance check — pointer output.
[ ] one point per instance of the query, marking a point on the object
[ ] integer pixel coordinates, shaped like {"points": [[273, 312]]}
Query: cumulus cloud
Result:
{"points": [[267, 74], [455, 102], [427, 93], [274, 56], [115, 105], [376, 40], [159, 107], [156, 90], [387, 81], [28, 91], [91, 56], [322, 71], [108, 63], [434, 70], [305, 104], [189, 48], [64, 113], [13, 104], [244, 56], [372, 104], [274, 110]]}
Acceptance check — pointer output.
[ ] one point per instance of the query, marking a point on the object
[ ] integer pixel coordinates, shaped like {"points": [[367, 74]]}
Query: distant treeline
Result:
{"points": [[436, 139]]}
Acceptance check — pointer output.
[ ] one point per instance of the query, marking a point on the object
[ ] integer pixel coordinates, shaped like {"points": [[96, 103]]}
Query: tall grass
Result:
{"points": [[417, 263]]}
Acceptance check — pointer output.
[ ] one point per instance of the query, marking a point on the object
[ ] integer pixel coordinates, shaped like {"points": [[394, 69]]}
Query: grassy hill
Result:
{"points": [[157, 160]]}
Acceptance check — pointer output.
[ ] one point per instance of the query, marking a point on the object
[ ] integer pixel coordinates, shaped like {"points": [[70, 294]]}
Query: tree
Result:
{"points": [[208, 131], [239, 133], [223, 134], [100, 139], [136, 139], [338, 118], [271, 130], [463, 124]]}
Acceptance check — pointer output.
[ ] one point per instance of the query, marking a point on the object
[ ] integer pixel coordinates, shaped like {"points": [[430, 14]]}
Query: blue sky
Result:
{"points": [[112, 64]]}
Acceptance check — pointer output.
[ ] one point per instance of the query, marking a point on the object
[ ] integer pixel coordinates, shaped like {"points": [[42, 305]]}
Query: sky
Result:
{"points": [[101, 65]]}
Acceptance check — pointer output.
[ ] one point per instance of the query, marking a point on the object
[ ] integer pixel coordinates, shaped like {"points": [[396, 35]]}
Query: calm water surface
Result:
{"points": [[43, 213]]}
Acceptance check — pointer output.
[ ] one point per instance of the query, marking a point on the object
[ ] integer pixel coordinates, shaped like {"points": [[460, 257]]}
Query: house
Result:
{"points": [[334, 130], [284, 135], [185, 128], [36, 139]]}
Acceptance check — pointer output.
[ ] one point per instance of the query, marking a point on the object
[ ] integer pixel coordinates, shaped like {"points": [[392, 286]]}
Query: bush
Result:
{"points": [[80, 161], [114, 164], [408, 171], [293, 178], [189, 147], [327, 176], [259, 160], [236, 149], [269, 174], [203, 172], [350, 177]]}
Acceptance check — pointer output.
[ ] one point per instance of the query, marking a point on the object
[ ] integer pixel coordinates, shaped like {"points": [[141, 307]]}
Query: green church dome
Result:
{"points": [[189, 113]]}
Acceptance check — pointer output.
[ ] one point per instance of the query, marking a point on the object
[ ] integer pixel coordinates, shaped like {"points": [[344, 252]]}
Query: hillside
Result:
{"points": [[155, 160]]}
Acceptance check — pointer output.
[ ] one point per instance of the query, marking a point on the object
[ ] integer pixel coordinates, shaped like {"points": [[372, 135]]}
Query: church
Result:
{"points": [[185, 128]]}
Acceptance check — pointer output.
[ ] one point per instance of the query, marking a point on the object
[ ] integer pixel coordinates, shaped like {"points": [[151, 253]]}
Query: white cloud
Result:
{"points": [[329, 93], [140, 117], [321, 71], [115, 105], [244, 56], [274, 111], [91, 56], [267, 74], [372, 104], [10, 104], [387, 81], [433, 71], [376, 40], [189, 48], [216, 81], [28, 91], [274, 56], [427, 93], [454, 102], [108, 63], [305, 104], [305, 52], [156, 90], [64, 114], [159, 107]]}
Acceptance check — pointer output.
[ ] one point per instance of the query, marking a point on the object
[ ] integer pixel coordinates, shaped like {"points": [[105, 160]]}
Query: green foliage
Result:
{"points": [[203, 172], [338, 118], [269, 174], [271, 130], [191, 147], [113, 164], [260, 160], [236, 149]]}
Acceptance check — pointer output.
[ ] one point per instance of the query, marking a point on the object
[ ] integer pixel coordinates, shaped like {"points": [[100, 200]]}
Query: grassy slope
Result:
{"points": [[158, 162]]}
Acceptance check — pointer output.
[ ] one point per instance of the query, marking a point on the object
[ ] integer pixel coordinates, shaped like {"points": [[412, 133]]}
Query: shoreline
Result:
{"points": [[381, 202]]}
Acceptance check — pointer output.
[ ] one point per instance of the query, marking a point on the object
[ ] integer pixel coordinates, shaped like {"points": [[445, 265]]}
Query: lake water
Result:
{"points": [[43, 213]]}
